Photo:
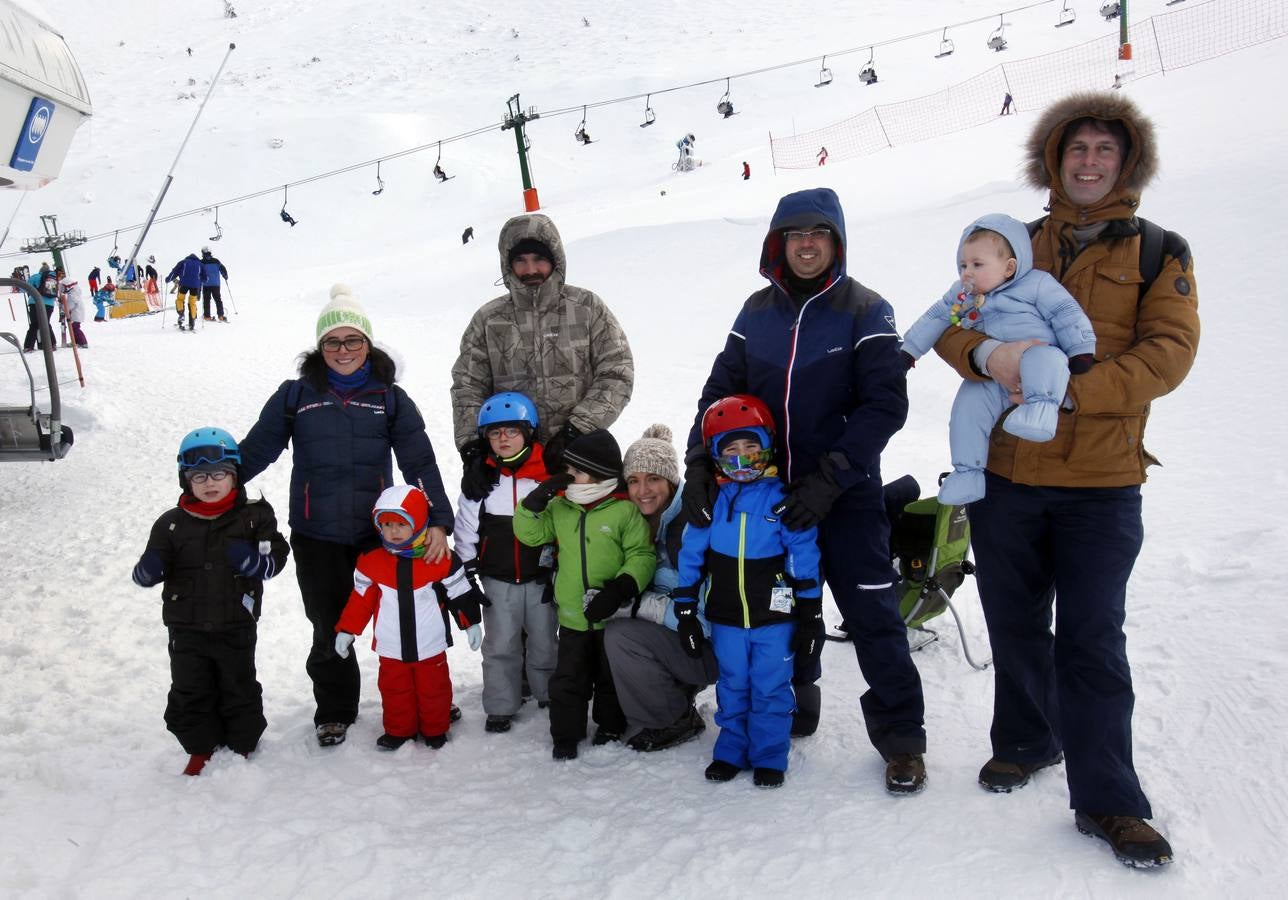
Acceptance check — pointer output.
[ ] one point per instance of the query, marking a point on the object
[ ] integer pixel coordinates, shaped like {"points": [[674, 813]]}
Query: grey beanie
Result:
{"points": [[654, 454]]}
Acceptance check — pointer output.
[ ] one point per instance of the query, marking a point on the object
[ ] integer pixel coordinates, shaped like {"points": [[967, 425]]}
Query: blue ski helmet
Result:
{"points": [[206, 447], [508, 408]]}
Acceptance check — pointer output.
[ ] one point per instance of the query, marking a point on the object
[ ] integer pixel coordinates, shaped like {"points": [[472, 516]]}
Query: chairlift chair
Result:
{"points": [[219, 231], [579, 135], [725, 105], [1067, 15], [380, 182], [946, 47], [1110, 10], [649, 116], [868, 75], [27, 434], [997, 40], [824, 75]]}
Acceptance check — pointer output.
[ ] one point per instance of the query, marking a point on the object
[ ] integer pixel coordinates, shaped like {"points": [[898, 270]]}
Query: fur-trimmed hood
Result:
{"points": [[1042, 152]]}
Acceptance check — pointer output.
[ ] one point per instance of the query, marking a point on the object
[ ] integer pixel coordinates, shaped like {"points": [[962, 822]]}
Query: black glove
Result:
{"points": [[477, 477], [700, 488], [471, 567], [149, 570], [685, 606], [247, 561], [465, 608], [808, 639], [809, 499], [553, 450], [611, 597], [543, 493]]}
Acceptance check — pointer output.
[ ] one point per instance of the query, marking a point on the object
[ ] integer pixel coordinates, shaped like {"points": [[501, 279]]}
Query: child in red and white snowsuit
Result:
{"points": [[410, 597]]}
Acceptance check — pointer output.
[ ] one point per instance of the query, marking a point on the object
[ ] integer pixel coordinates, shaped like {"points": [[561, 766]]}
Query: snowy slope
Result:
{"points": [[90, 802]]}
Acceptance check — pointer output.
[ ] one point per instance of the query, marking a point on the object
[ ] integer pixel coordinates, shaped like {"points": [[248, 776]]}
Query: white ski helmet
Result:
{"points": [[205, 251]]}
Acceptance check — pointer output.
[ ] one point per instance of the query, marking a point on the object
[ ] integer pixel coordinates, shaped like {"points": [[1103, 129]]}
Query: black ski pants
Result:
{"points": [[582, 672], [324, 571], [215, 698]]}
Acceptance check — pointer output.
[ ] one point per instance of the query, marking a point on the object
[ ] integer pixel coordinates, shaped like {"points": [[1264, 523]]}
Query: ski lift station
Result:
{"points": [[43, 99]]}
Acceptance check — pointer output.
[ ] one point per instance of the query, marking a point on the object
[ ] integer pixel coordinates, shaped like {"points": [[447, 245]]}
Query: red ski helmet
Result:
{"points": [[734, 413]]}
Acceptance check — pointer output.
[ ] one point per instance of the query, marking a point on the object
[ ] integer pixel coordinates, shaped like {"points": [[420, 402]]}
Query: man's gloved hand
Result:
{"points": [[477, 477], [248, 560], [343, 641], [1081, 364], [685, 604], [149, 570], [808, 639], [809, 499], [471, 567], [615, 594], [543, 493], [700, 488], [553, 450], [474, 634]]}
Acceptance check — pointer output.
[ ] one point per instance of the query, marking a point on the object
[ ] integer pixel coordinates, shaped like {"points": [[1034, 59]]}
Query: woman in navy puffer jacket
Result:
{"points": [[342, 416]]}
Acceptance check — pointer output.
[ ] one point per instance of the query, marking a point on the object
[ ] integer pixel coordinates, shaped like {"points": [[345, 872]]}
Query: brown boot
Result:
{"points": [[1133, 840], [905, 773], [1002, 777]]}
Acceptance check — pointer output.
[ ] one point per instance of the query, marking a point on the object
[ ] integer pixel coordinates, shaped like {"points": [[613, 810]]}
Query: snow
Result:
{"points": [[91, 802]]}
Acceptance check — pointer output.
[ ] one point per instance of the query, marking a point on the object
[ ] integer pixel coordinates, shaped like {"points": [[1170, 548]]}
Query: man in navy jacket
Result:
{"points": [[822, 352]]}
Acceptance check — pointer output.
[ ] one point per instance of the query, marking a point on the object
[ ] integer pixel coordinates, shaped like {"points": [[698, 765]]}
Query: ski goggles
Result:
{"points": [[745, 468], [196, 456]]}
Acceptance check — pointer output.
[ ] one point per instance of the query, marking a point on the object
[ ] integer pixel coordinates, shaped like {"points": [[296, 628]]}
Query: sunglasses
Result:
{"points": [[509, 431], [333, 345], [195, 456]]}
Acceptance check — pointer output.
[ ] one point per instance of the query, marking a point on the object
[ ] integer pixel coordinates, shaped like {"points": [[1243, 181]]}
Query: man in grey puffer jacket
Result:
{"points": [[556, 343]]}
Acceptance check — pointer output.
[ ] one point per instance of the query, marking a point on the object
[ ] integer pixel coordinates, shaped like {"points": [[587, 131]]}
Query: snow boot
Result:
{"points": [[455, 714], [222, 319], [767, 778], [1033, 420], [809, 702], [564, 750], [605, 736], [1134, 841], [435, 741], [196, 762], [331, 733], [390, 742], [905, 773], [497, 724], [208, 318], [682, 730], [722, 771], [1002, 777]]}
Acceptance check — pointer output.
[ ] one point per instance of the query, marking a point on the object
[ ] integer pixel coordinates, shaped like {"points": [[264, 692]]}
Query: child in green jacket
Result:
{"points": [[604, 552]]}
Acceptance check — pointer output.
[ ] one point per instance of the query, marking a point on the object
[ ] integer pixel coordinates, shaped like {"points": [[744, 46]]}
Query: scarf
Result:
{"points": [[413, 549], [203, 510], [587, 494], [347, 384]]}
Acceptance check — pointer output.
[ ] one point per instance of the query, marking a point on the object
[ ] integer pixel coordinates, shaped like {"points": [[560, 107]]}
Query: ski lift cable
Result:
{"points": [[812, 60], [254, 195]]}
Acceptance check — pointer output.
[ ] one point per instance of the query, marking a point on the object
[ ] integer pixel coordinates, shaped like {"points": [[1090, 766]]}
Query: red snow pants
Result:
{"points": [[417, 697]]}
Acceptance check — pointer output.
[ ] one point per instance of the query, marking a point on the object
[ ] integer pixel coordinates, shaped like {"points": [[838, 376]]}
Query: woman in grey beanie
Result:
{"points": [[656, 681]]}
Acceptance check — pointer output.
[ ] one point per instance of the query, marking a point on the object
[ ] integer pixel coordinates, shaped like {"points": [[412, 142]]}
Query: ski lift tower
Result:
{"points": [[1124, 45], [516, 118], [54, 243]]}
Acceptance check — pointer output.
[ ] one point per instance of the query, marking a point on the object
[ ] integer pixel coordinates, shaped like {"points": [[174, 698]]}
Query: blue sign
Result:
{"points": [[34, 129]]}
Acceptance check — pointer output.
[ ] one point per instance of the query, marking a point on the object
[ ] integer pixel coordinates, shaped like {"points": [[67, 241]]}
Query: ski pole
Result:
{"points": [[231, 301]]}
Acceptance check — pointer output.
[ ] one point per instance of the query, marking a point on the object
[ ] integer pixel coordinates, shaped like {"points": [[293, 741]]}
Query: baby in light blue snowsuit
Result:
{"points": [[1001, 294]]}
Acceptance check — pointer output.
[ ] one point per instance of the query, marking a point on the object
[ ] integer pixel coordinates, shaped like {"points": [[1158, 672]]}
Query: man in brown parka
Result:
{"points": [[558, 344], [1062, 518]]}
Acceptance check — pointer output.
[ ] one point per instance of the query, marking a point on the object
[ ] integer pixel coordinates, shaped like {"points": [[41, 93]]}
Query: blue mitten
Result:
{"points": [[251, 561], [149, 570]]}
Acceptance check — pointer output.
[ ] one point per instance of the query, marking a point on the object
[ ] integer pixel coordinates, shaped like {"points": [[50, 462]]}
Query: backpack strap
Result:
{"points": [[1156, 244]]}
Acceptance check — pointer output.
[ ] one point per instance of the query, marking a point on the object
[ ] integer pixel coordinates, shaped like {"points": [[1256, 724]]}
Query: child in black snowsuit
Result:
{"points": [[213, 551]]}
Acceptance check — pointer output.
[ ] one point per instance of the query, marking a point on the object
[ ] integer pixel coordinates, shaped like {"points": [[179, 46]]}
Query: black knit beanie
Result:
{"points": [[530, 245], [595, 453]]}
